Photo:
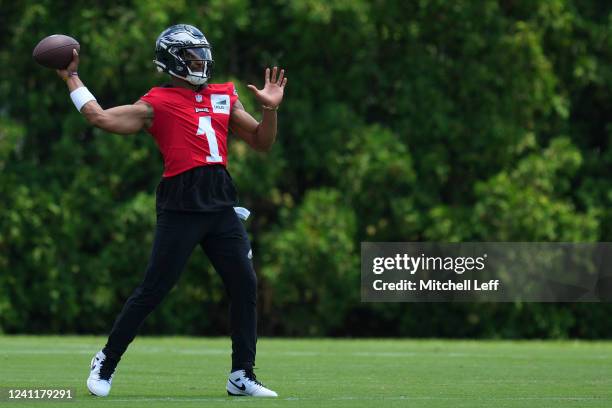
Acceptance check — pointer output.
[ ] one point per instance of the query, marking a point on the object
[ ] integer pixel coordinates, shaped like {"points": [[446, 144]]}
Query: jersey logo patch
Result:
{"points": [[220, 103]]}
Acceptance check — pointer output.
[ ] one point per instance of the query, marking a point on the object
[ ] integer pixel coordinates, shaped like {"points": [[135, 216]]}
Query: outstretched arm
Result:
{"points": [[125, 119], [260, 135]]}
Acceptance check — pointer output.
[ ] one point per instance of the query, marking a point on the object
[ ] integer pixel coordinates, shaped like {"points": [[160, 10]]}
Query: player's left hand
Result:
{"points": [[272, 93], [71, 68]]}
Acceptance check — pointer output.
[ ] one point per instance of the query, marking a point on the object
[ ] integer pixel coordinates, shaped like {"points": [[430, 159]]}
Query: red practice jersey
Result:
{"points": [[191, 127]]}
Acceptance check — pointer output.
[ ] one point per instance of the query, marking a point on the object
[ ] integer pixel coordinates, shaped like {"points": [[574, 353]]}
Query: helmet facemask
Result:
{"points": [[196, 62]]}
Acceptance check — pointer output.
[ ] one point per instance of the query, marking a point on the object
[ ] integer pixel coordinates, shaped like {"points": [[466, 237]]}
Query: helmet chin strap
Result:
{"points": [[196, 80]]}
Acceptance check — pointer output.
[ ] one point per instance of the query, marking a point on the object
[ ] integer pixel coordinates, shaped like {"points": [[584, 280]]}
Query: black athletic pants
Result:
{"points": [[224, 240]]}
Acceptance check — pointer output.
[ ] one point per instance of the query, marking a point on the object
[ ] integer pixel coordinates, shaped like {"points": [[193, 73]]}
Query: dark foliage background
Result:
{"points": [[403, 121]]}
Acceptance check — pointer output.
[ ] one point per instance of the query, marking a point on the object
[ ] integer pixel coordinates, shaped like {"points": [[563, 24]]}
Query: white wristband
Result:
{"points": [[81, 96]]}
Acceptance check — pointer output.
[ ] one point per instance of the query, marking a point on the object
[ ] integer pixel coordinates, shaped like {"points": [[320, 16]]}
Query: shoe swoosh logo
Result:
{"points": [[240, 387]]}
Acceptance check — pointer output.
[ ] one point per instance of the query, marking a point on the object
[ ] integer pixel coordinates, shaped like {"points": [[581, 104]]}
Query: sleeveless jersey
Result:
{"points": [[190, 127]]}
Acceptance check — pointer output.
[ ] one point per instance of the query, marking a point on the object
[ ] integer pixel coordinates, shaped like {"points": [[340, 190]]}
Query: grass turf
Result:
{"points": [[191, 372]]}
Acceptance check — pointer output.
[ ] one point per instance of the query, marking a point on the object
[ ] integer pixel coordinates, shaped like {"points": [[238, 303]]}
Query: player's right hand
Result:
{"points": [[71, 68]]}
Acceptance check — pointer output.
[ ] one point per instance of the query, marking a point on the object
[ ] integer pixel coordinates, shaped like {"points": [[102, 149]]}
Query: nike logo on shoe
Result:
{"points": [[249, 385], [240, 387]]}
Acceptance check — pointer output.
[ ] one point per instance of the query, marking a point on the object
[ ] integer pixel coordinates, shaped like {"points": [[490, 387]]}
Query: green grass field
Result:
{"points": [[191, 372]]}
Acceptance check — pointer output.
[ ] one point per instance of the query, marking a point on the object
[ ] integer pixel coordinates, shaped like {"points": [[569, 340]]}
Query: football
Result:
{"points": [[55, 51]]}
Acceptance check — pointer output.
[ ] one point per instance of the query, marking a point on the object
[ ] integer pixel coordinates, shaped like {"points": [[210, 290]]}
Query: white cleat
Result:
{"points": [[97, 385], [244, 383]]}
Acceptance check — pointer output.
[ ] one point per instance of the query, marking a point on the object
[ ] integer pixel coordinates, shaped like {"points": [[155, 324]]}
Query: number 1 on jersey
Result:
{"points": [[205, 128]]}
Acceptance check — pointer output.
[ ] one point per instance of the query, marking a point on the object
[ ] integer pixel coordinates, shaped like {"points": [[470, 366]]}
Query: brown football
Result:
{"points": [[55, 51]]}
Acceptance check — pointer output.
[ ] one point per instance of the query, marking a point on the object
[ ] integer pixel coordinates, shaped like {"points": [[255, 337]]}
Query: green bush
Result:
{"points": [[403, 121]]}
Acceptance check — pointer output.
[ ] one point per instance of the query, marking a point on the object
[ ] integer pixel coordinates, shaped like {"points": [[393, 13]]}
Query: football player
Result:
{"points": [[190, 119]]}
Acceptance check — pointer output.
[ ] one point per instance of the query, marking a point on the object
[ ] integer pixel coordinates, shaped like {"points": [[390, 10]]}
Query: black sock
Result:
{"points": [[109, 364], [245, 367], [111, 354]]}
